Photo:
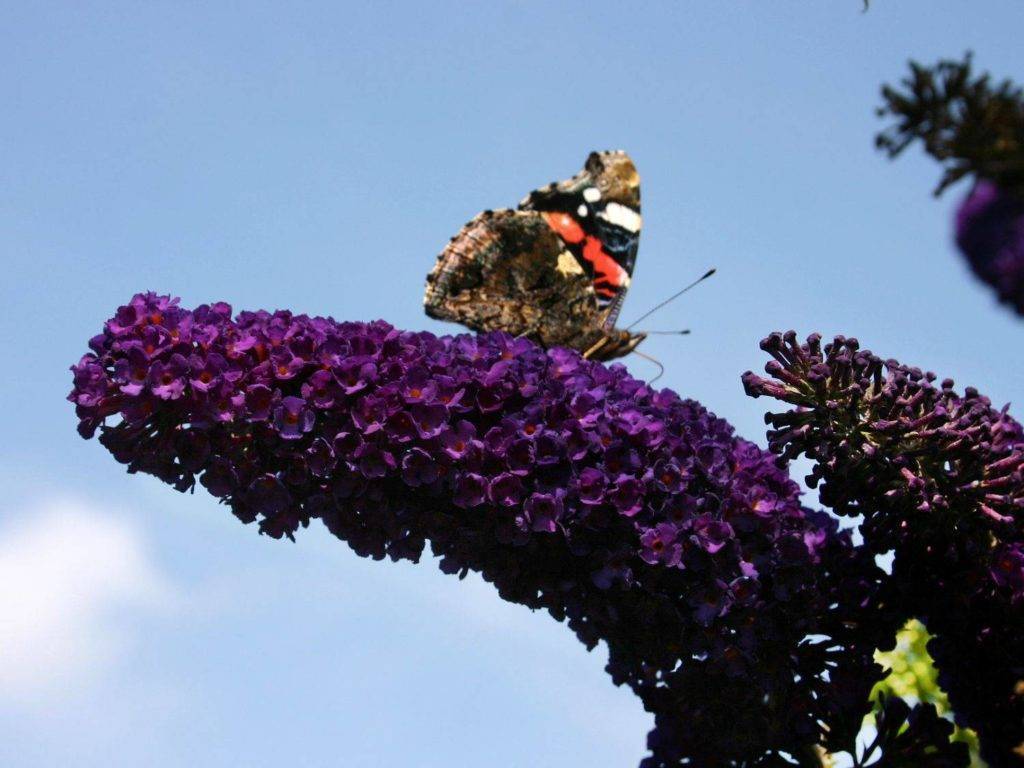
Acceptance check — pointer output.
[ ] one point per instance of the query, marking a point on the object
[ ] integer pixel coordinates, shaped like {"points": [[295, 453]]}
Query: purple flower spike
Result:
{"points": [[938, 477], [634, 515], [990, 233]]}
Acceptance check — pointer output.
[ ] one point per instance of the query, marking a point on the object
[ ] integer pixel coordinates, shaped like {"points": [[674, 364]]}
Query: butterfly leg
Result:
{"points": [[531, 329], [595, 348]]}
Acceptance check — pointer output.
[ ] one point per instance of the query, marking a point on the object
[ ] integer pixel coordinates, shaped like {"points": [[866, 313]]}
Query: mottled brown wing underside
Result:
{"points": [[508, 270]]}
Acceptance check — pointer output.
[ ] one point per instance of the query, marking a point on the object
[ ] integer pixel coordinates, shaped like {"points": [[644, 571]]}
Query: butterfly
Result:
{"points": [[555, 269]]}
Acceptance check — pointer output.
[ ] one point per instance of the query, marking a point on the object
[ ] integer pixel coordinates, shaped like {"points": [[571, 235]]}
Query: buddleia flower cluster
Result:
{"points": [[743, 620], [975, 129], [938, 478], [990, 233]]}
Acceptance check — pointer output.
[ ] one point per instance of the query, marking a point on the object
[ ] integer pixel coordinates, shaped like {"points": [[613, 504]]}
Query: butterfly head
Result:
{"points": [[614, 343]]}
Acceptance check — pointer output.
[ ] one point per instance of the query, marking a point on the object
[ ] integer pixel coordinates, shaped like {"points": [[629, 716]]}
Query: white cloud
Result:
{"points": [[66, 571]]}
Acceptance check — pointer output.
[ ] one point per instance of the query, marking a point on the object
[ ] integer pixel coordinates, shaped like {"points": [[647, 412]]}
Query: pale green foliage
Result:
{"points": [[913, 676]]}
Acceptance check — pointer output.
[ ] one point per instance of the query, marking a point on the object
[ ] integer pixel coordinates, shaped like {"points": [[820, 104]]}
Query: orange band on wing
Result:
{"points": [[565, 226], [609, 277]]}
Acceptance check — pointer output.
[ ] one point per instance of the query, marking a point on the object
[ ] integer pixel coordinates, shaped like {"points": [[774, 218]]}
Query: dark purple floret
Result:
{"points": [[293, 418], [636, 516], [661, 545], [990, 233], [470, 490], [167, 379], [543, 511]]}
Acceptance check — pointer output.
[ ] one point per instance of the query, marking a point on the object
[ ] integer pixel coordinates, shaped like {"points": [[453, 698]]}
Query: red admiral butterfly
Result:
{"points": [[555, 269]]}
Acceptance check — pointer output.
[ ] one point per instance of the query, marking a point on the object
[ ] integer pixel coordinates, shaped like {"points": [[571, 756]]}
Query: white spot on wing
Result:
{"points": [[621, 216], [582, 210], [591, 194]]}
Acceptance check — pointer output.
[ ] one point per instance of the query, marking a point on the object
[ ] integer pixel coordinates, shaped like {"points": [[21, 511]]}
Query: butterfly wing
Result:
{"points": [[596, 213], [508, 270], [556, 269]]}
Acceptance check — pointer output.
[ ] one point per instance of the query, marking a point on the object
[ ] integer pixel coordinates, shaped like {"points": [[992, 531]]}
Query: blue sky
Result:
{"points": [[317, 157]]}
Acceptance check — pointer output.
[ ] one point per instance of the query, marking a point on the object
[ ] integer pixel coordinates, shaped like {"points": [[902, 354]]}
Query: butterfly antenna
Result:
{"points": [[684, 332], [671, 298], [661, 368]]}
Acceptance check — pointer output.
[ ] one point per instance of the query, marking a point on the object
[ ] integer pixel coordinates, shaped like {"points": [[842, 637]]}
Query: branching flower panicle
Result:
{"points": [[634, 515], [938, 477]]}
